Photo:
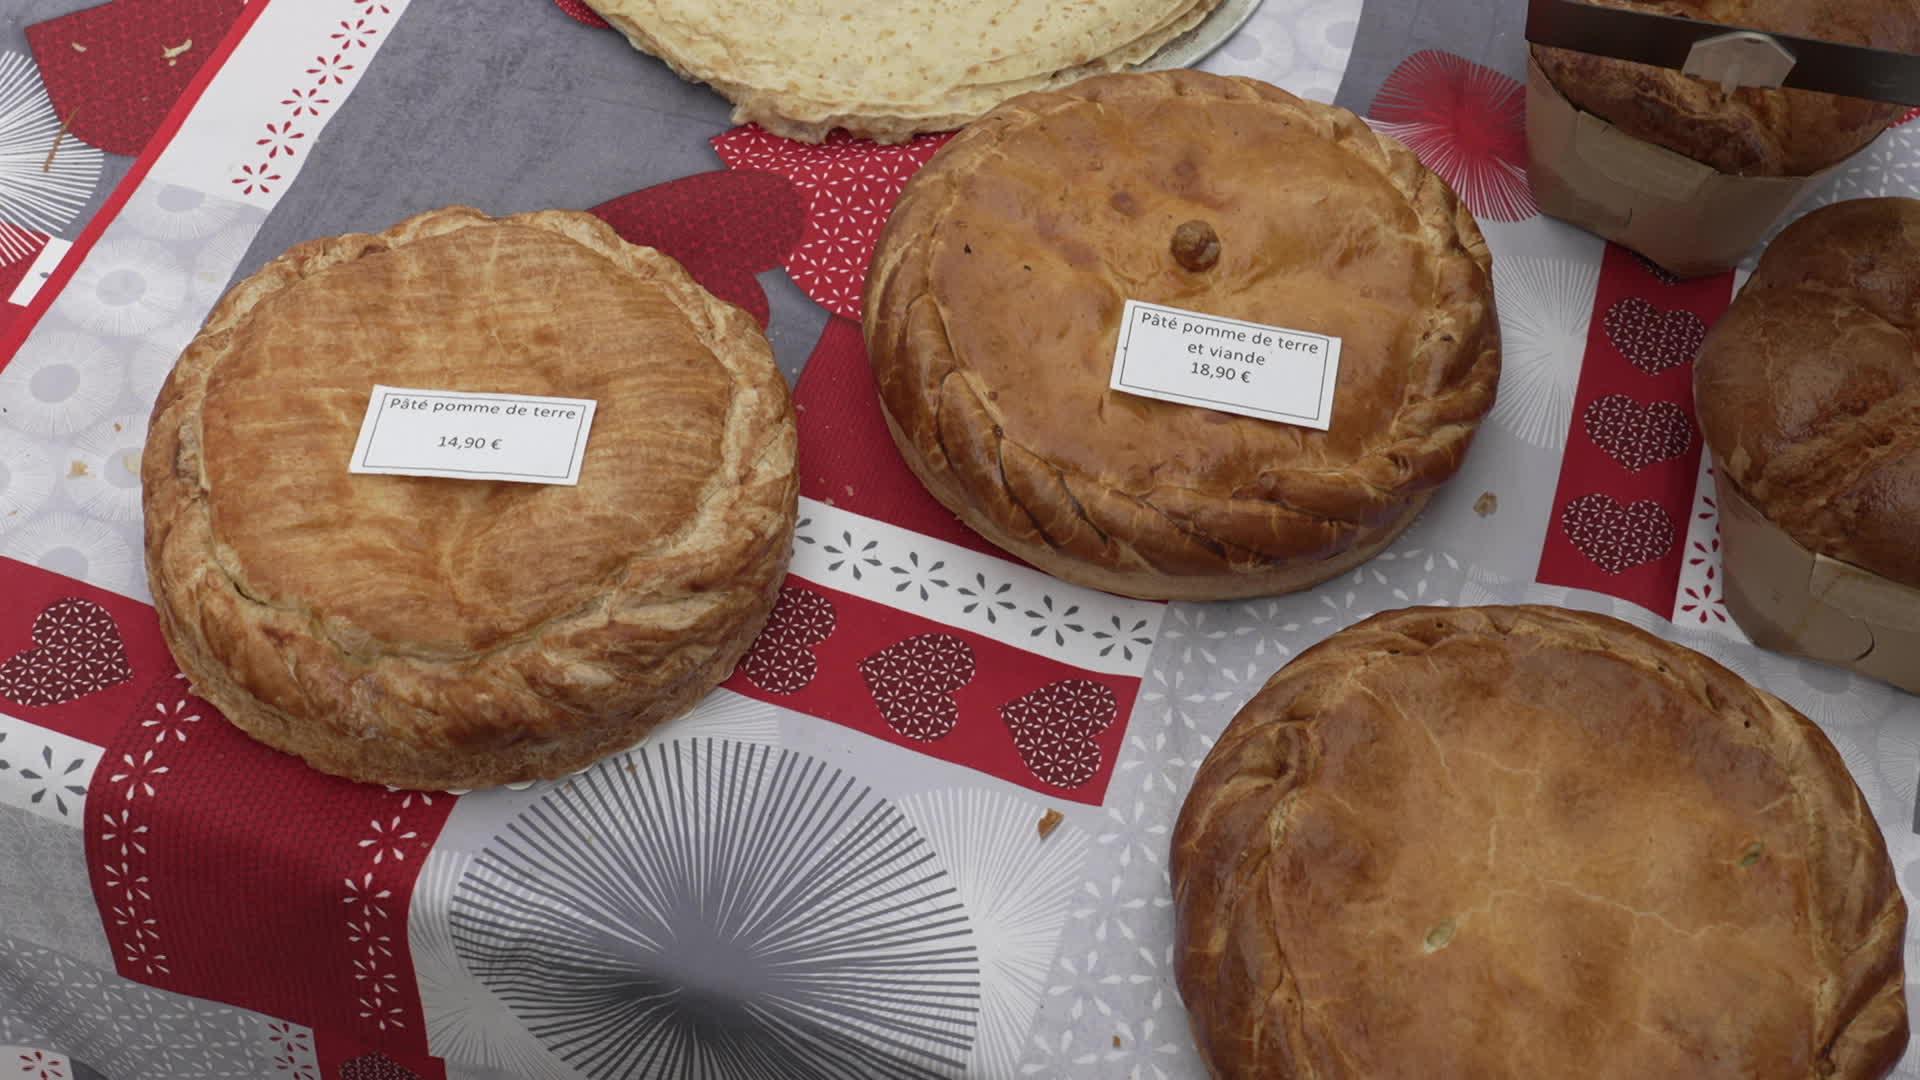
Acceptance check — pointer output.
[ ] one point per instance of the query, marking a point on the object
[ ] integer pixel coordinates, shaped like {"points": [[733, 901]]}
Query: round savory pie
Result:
{"points": [[994, 303], [1530, 842], [890, 71], [430, 632]]}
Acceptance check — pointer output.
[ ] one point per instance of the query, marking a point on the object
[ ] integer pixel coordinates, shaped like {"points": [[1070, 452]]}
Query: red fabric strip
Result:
{"points": [[850, 460], [229, 871], [1633, 452], [941, 691]]}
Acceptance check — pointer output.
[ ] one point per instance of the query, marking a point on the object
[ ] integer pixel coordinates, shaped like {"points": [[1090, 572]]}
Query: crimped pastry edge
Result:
{"points": [[899, 279], [403, 748]]}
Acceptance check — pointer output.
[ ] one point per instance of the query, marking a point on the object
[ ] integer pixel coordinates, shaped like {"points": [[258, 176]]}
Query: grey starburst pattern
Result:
{"points": [[1054, 620], [41, 187], [990, 601], [465, 1021], [853, 555], [48, 777], [704, 909], [1125, 636], [915, 575]]}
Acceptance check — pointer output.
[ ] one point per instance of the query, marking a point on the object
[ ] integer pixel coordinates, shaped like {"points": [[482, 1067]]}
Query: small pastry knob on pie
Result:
{"points": [[1486, 843], [995, 298], [435, 633]]}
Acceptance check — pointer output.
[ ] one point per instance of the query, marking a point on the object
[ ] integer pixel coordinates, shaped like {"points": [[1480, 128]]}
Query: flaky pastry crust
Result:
{"points": [[1751, 131], [890, 72], [1529, 842], [1809, 386], [439, 633], [994, 300]]}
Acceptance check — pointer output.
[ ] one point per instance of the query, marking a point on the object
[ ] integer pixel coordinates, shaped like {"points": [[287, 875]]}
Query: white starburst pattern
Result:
{"points": [[1546, 307], [1016, 886], [102, 478], [725, 714], [1116, 1012], [60, 382], [390, 840], [1700, 599], [26, 478], [126, 286], [42, 185], [139, 774]]}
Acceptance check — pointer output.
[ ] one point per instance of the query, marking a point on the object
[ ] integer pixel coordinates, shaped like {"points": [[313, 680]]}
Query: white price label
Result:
{"points": [[1266, 372], [464, 436]]}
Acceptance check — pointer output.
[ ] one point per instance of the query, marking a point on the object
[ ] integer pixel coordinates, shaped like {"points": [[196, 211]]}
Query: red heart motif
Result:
{"points": [[1637, 435], [913, 683], [108, 70], [1054, 728], [582, 13], [1654, 340], [724, 227], [850, 185], [1618, 538], [781, 660], [77, 650]]}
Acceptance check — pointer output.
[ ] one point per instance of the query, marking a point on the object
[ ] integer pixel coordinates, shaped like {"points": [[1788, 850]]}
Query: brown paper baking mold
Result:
{"points": [[1688, 217], [1792, 600]]}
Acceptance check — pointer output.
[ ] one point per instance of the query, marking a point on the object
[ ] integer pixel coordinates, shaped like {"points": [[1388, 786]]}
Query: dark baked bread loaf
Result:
{"points": [[1750, 132], [1521, 843], [1809, 387], [994, 306]]}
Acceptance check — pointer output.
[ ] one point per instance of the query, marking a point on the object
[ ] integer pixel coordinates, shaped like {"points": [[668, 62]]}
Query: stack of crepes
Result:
{"points": [[891, 71]]}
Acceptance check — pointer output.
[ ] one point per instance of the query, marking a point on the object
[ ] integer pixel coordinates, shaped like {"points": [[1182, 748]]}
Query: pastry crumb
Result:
{"points": [[170, 53], [1487, 504], [77, 47], [1116, 1042], [1050, 821], [77, 469]]}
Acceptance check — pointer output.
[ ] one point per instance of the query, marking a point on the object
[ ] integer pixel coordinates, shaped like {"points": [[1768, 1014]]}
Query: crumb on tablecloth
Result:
{"points": [[1050, 821], [1487, 504]]}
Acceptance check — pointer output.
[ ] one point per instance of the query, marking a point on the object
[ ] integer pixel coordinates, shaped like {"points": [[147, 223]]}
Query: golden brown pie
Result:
{"points": [[1528, 842], [428, 632], [994, 302]]}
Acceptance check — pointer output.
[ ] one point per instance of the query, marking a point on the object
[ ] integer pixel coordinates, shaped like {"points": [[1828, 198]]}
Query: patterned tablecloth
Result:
{"points": [[831, 868]]}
